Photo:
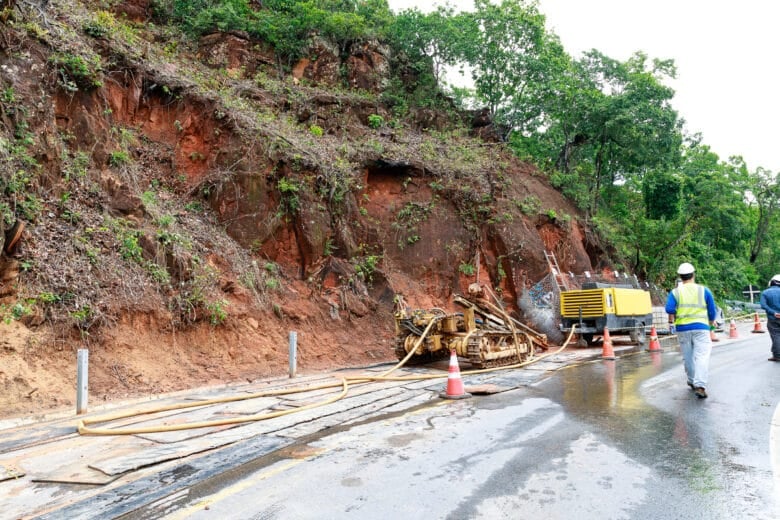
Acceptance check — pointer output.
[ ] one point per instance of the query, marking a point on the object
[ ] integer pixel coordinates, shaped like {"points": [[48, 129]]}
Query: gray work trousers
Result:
{"points": [[773, 326]]}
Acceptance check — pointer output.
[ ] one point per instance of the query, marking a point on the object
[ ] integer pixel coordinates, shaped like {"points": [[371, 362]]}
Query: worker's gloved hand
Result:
{"points": [[672, 329]]}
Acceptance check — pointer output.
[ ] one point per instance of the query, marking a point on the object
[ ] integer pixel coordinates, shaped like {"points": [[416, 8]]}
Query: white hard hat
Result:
{"points": [[775, 280], [685, 268]]}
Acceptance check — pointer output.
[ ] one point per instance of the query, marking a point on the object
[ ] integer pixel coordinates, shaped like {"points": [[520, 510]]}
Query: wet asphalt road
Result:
{"points": [[604, 440]]}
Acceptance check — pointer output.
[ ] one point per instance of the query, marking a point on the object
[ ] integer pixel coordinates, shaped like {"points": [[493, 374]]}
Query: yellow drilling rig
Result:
{"points": [[484, 333]]}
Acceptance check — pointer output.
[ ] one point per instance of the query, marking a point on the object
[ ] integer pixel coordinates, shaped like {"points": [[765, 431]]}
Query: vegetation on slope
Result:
{"points": [[116, 226], [603, 129]]}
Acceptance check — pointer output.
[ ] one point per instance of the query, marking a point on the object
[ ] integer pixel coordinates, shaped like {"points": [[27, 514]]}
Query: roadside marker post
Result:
{"points": [[82, 380], [293, 344]]}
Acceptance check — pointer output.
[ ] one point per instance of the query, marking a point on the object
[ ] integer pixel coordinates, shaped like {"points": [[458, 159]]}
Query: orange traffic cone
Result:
{"points": [[655, 345], [713, 336], [757, 324], [607, 352], [733, 330], [455, 388]]}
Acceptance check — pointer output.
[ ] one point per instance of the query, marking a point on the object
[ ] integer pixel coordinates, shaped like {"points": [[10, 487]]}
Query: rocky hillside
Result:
{"points": [[187, 204]]}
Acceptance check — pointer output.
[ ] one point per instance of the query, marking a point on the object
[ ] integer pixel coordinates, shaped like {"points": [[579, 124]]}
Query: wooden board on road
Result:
{"points": [[76, 475], [18, 439], [210, 413], [121, 500]]}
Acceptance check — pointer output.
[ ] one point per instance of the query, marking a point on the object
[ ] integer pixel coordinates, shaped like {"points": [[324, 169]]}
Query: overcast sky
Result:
{"points": [[726, 54]]}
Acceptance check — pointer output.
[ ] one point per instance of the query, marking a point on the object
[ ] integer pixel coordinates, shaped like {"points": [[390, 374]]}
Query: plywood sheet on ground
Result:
{"points": [[355, 389], [433, 385], [513, 378], [415, 400], [154, 453], [75, 475], [215, 412], [66, 461], [114, 503], [347, 409], [287, 383], [278, 425], [544, 365], [17, 439]]}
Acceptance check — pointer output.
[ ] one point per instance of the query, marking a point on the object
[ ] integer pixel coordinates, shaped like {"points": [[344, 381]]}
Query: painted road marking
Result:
{"points": [[232, 490]]}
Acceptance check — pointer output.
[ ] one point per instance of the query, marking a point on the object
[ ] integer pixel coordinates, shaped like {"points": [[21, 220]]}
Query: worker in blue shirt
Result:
{"points": [[692, 313], [770, 302]]}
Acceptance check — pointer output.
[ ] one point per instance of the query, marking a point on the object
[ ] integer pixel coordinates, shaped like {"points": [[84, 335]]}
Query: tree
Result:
{"points": [[609, 121], [765, 190], [661, 195], [714, 200], [427, 38], [509, 52]]}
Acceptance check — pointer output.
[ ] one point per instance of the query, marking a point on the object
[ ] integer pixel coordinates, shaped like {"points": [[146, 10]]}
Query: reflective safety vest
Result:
{"points": [[691, 307]]}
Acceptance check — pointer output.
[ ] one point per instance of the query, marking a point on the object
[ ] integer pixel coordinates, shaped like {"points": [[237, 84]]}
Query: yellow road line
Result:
{"points": [[231, 490]]}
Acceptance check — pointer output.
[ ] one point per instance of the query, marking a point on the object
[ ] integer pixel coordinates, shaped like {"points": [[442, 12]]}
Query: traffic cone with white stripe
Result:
{"points": [[455, 388], [757, 324], [733, 330], [655, 345]]}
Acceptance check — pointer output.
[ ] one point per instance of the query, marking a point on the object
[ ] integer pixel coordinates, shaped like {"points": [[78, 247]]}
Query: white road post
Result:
{"points": [[293, 352], [82, 380]]}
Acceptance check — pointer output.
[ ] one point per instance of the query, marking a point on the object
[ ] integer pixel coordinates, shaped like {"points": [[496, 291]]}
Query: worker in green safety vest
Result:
{"points": [[692, 313]]}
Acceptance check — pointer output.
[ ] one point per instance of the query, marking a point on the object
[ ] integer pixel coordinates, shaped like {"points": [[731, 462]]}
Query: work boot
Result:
{"points": [[700, 392]]}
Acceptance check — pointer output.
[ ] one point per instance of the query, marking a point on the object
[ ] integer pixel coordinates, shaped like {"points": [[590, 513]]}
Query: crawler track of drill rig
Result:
{"points": [[483, 333]]}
